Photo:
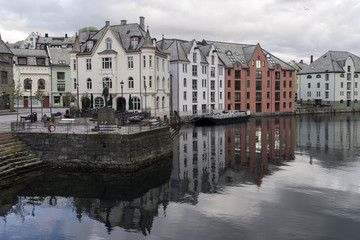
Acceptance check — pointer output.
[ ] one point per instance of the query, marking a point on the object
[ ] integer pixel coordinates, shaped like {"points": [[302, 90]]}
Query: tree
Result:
{"points": [[68, 98], [85, 102], [40, 96], [16, 94]]}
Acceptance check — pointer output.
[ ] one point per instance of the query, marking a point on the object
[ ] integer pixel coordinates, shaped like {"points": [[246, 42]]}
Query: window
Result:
{"points": [[258, 85], [309, 85], [57, 100], [184, 68], [22, 60], [229, 96], [89, 45], [342, 75], [290, 74], [150, 61], [203, 84], [203, 69], [194, 57], [349, 69], [284, 84], [163, 65], [212, 85], [194, 109], [348, 86], [74, 64], [131, 82], [41, 84], [284, 95], [237, 74], [229, 72], [60, 75], [277, 85], [268, 83], [221, 69], [258, 96], [194, 70], [27, 83], [258, 64], [290, 84], [220, 84], [341, 84], [144, 61], [248, 73], [107, 82], [248, 95], [277, 96], [89, 83], [40, 61], [326, 77], [284, 74], [130, 62], [318, 85], [75, 83], [61, 87], [194, 84], [163, 102], [157, 63], [108, 44], [150, 81], [258, 74], [88, 64], [277, 75], [134, 41], [326, 86], [318, 76], [268, 95], [185, 96], [290, 94], [204, 95], [326, 94], [4, 78], [309, 77], [136, 103], [212, 59], [157, 102], [212, 96], [348, 76], [237, 97], [212, 72], [99, 102], [238, 85], [106, 63], [229, 83], [194, 97], [184, 82]]}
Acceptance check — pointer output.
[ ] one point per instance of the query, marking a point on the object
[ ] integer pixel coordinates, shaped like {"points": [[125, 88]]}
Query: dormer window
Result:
{"points": [[89, 45], [108, 44], [134, 41]]}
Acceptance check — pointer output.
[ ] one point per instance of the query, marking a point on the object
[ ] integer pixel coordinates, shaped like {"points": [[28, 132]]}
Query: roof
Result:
{"points": [[332, 61], [4, 48], [230, 53], [60, 56], [21, 52], [56, 40]]}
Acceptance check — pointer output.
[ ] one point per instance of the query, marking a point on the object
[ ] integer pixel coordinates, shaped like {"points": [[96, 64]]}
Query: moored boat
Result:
{"points": [[222, 118]]}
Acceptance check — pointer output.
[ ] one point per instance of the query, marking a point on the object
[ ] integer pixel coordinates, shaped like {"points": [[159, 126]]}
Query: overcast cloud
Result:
{"points": [[289, 29]]}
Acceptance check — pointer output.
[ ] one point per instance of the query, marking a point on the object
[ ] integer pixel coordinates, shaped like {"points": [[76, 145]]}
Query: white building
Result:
{"points": [[197, 78], [117, 54], [333, 79]]}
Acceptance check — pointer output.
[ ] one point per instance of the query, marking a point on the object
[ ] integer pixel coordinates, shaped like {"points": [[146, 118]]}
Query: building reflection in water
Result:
{"points": [[207, 158]]}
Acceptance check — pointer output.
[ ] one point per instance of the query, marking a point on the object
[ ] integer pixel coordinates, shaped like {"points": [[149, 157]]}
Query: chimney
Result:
{"points": [[301, 61], [142, 23], [311, 59], [65, 35], [107, 23], [123, 22], [46, 35]]}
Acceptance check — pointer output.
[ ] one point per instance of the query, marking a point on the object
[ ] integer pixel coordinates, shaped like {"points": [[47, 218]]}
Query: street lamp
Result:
{"points": [[31, 112], [122, 95], [145, 100], [78, 105]]}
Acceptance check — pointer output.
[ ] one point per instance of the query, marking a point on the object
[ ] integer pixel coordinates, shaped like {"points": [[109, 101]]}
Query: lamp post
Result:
{"points": [[31, 112], [145, 100], [78, 105], [122, 95]]}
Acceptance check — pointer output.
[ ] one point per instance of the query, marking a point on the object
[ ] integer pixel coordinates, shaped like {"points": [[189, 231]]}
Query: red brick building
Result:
{"points": [[255, 80]]}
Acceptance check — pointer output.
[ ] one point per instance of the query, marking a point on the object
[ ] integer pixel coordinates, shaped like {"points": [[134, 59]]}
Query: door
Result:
{"points": [[121, 104], [26, 102]]}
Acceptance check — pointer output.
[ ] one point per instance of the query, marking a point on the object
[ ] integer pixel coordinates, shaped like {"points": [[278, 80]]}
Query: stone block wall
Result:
{"points": [[101, 151]]}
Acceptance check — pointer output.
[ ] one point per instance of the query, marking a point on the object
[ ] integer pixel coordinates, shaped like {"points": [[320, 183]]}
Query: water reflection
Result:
{"points": [[207, 158]]}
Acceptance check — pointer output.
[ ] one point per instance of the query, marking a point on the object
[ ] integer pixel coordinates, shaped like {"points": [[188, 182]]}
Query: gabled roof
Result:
{"points": [[331, 62], [175, 49]]}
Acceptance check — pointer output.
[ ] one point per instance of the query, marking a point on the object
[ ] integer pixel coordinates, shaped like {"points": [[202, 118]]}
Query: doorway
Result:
{"points": [[121, 104]]}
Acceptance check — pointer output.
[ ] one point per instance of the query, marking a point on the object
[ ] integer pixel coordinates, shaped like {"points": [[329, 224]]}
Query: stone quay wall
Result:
{"points": [[128, 152]]}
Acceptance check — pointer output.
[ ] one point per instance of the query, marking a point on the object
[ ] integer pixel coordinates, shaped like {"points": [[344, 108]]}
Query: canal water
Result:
{"points": [[269, 178]]}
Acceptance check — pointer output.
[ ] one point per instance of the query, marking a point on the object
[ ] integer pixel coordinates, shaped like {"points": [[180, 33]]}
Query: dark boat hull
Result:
{"points": [[209, 121]]}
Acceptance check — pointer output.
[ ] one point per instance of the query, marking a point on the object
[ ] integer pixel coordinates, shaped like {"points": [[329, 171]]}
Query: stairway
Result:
{"points": [[15, 157]]}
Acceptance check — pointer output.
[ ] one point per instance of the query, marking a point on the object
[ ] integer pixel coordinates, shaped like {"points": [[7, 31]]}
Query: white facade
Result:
{"points": [[197, 81], [142, 68], [338, 88]]}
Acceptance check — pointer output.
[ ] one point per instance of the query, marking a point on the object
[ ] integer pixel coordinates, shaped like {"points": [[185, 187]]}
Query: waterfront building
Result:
{"points": [[32, 70], [298, 67], [255, 79], [332, 79], [6, 81], [197, 78], [123, 53], [54, 42], [60, 75]]}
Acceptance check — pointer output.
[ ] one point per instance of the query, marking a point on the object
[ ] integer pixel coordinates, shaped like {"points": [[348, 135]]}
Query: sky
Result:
{"points": [[289, 29]]}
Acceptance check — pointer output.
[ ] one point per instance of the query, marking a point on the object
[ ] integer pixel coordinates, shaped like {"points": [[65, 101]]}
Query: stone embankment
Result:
{"points": [[15, 157]]}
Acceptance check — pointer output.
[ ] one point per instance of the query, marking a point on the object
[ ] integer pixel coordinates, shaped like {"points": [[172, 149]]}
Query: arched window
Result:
{"points": [[27, 83], [318, 76], [108, 44], [309, 77], [157, 102], [342, 75], [89, 83], [158, 82], [136, 103], [41, 84], [99, 102], [163, 83], [131, 82], [107, 82], [163, 102]]}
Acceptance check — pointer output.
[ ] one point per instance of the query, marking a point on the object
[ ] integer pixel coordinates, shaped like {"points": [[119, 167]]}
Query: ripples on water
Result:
{"points": [[270, 178]]}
